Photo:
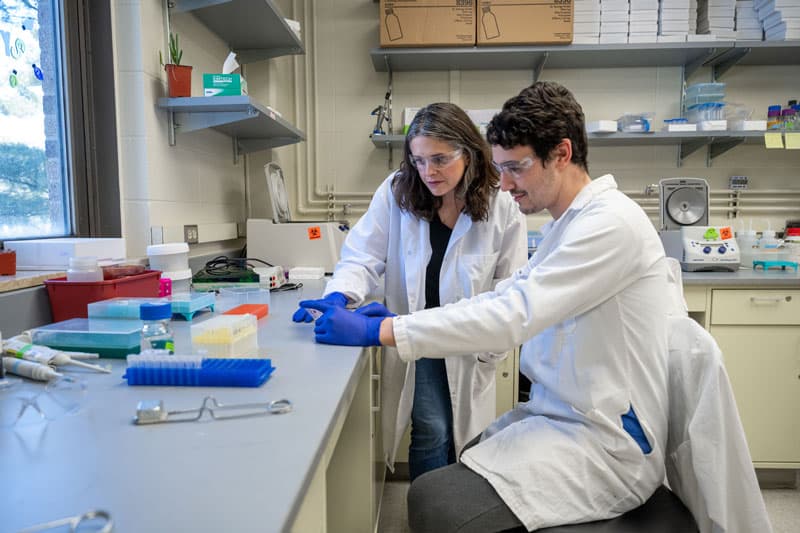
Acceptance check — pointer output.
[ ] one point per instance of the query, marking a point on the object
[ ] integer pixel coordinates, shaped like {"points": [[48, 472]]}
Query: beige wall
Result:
{"points": [[329, 92]]}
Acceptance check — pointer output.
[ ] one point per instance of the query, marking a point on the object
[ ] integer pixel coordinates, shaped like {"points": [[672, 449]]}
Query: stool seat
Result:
{"points": [[662, 513]]}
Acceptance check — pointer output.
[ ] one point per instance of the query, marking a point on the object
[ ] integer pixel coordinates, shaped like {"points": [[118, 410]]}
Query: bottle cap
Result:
{"points": [[148, 311]]}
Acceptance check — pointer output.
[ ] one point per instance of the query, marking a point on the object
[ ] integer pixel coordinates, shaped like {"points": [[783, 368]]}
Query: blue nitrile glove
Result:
{"points": [[375, 309], [337, 325], [335, 298]]}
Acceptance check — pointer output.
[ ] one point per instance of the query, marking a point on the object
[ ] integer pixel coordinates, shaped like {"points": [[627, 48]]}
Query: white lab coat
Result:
{"points": [[708, 462], [590, 307], [396, 245]]}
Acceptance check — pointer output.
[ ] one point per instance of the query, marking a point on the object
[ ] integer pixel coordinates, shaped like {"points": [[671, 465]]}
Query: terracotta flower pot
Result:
{"points": [[179, 80]]}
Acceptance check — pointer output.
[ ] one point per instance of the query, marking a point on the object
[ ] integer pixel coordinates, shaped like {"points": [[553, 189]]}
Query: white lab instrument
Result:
{"points": [[29, 369], [703, 248], [21, 349], [280, 241], [685, 231]]}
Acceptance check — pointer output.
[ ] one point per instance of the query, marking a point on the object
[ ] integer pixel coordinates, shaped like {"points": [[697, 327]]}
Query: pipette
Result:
{"points": [[20, 349], [29, 369]]}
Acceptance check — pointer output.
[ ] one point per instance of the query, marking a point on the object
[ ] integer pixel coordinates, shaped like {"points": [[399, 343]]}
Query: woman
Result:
{"points": [[436, 231]]}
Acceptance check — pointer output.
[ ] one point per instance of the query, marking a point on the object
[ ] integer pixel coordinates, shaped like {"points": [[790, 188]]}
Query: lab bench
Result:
{"points": [[316, 468], [755, 318]]}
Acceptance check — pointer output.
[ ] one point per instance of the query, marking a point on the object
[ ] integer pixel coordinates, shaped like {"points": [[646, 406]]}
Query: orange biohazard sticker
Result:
{"points": [[726, 233], [314, 232]]}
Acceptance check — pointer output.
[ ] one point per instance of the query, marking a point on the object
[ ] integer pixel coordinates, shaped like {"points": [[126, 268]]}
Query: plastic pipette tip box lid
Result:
{"points": [[110, 337], [195, 371], [259, 310], [227, 336], [183, 304]]}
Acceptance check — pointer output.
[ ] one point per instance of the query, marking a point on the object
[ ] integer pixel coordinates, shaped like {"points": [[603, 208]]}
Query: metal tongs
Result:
{"points": [[103, 518], [153, 412]]}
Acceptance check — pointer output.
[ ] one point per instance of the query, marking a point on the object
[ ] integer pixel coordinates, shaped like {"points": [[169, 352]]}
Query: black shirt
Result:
{"points": [[440, 236]]}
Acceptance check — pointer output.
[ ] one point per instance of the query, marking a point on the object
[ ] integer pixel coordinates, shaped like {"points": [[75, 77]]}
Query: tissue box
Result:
{"points": [[224, 85]]}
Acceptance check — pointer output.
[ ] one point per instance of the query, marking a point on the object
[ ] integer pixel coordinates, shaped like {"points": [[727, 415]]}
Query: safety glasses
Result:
{"points": [[515, 168], [437, 162], [23, 403]]}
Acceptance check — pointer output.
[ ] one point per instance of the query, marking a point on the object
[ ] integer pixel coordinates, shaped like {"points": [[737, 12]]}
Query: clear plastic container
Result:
{"points": [[110, 337], [704, 112], [705, 88], [703, 99], [83, 269], [635, 122], [156, 327], [231, 297], [748, 246]]}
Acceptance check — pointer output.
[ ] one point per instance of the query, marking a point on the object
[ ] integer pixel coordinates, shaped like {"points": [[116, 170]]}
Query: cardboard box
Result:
{"points": [[503, 22], [427, 22], [224, 85]]}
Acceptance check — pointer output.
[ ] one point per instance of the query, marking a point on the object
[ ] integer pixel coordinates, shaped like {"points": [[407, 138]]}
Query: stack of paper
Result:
{"points": [[780, 19], [586, 22], [717, 17], [643, 21], [748, 27], [673, 20], [614, 21]]}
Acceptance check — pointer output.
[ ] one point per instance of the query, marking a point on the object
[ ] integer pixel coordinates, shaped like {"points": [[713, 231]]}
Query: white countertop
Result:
{"points": [[229, 475]]}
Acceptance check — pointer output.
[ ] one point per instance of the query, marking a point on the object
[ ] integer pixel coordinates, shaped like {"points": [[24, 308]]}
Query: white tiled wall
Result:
{"points": [[329, 92]]}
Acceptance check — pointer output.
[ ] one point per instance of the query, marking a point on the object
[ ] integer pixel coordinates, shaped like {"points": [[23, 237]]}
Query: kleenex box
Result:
{"points": [[224, 85]]}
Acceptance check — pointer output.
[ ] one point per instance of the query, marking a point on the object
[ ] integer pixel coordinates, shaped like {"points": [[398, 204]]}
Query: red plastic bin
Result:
{"points": [[69, 299]]}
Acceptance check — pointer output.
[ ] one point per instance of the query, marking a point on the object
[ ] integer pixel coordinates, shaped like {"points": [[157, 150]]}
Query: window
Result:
{"points": [[58, 157]]}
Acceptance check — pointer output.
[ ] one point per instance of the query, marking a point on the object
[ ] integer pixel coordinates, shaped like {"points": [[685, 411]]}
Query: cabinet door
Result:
{"points": [[763, 363]]}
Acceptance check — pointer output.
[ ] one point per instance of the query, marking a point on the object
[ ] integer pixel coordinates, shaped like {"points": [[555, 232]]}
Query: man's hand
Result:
{"points": [[337, 325]]}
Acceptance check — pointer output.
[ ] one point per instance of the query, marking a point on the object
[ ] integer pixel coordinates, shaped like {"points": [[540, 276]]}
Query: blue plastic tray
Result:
{"points": [[212, 373]]}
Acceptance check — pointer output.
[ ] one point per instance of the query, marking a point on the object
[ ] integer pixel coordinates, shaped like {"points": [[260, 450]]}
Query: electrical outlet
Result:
{"points": [[190, 234]]}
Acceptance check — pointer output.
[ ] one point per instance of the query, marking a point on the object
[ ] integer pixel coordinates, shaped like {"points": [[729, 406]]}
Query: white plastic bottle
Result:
{"points": [[157, 328], [84, 269]]}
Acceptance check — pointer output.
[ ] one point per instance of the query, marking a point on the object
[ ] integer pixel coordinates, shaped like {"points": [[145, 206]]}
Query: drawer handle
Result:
{"points": [[769, 299]]}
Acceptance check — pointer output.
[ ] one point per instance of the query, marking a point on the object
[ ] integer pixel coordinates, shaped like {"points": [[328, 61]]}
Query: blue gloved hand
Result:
{"points": [[335, 298], [337, 325], [375, 309]]}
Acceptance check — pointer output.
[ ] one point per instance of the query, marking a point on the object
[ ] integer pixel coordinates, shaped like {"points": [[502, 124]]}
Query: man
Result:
{"points": [[590, 307]]}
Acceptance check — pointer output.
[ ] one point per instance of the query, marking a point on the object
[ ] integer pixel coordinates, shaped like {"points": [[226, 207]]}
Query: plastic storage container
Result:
{"points": [[231, 297], [635, 123], [698, 89], [70, 299], [704, 112], [169, 257], [84, 269], [226, 336], [120, 307], [181, 280], [156, 327], [110, 337]]}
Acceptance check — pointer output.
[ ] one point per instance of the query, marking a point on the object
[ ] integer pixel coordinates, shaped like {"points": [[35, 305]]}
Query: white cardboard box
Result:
{"points": [[54, 254]]}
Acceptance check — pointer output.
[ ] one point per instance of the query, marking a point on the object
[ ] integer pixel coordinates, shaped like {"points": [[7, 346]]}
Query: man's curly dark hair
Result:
{"points": [[540, 116]]}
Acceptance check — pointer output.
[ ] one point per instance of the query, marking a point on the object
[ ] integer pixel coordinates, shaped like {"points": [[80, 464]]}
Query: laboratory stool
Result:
{"points": [[662, 513]]}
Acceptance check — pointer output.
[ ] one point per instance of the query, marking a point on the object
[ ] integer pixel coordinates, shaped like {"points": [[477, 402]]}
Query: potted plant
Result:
{"points": [[179, 77]]}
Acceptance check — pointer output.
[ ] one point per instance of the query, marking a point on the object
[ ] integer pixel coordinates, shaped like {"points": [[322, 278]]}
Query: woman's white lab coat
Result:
{"points": [[396, 245], [591, 307]]}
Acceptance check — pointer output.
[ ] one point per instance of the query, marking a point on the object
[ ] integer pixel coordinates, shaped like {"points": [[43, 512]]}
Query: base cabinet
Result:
{"points": [[758, 331]]}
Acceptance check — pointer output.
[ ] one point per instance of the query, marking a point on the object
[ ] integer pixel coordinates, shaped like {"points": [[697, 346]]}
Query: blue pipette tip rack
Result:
{"points": [[211, 373]]}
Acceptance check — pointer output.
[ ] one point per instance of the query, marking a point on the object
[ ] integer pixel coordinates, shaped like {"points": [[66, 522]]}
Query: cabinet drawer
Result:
{"points": [[695, 298], [751, 306]]}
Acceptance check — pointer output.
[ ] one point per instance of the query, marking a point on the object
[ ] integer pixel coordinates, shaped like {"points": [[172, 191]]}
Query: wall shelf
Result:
{"points": [[689, 55], [253, 126], [254, 29], [718, 142]]}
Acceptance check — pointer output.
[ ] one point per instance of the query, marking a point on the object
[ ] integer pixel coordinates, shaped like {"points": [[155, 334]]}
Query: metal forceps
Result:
{"points": [[153, 412], [101, 517]]}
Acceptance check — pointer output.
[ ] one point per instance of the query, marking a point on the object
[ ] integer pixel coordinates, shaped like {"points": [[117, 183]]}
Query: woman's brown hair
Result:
{"points": [[448, 123]]}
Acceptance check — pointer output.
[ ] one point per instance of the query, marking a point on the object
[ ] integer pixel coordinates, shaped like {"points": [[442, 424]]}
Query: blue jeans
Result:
{"points": [[431, 419]]}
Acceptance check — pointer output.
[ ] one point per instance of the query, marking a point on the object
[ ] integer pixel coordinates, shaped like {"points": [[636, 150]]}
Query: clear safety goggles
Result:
{"points": [[437, 162], [515, 168], [24, 403]]}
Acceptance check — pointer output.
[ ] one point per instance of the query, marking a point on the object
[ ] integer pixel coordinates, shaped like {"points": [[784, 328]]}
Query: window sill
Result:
{"points": [[24, 279]]}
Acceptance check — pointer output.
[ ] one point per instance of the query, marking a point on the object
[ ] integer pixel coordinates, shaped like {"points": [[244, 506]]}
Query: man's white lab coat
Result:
{"points": [[590, 307], [395, 244]]}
